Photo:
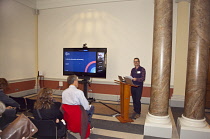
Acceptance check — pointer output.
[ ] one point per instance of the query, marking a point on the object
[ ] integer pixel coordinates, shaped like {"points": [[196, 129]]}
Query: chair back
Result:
{"points": [[30, 104], [46, 128], [21, 101], [75, 120]]}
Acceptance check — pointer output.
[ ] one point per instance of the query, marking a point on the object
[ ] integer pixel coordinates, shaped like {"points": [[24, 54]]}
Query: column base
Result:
{"points": [[193, 129], [158, 126]]}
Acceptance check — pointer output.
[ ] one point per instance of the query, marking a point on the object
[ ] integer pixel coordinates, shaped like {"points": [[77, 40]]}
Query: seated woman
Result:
{"points": [[46, 109]]}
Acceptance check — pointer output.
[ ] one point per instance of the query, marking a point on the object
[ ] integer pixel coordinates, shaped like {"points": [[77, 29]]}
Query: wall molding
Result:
{"points": [[21, 80], [51, 4], [28, 3], [98, 82]]}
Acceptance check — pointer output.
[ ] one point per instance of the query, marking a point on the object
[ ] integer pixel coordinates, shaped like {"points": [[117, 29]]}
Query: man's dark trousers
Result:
{"points": [[136, 95]]}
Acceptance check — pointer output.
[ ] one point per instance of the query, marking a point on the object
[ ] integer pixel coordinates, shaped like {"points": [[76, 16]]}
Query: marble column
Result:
{"points": [[197, 63], [158, 122], [161, 60], [193, 124]]}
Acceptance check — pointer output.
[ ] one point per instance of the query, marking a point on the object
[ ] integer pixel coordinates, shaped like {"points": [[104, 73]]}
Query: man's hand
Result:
{"points": [[134, 79], [57, 120], [10, 107]]}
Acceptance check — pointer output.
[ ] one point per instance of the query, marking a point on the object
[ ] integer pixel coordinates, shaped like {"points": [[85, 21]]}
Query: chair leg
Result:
{"points": [[56, 133]]}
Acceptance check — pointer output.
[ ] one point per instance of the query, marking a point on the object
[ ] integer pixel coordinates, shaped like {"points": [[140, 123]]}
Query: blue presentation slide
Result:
{"points": [[80, 62]]}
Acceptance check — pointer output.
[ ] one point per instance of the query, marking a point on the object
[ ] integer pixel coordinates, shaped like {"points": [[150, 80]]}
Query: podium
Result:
{"points": [[125, 90]]}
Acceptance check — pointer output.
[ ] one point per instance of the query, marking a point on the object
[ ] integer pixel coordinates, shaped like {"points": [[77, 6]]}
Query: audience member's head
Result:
{"points": [[3, 83], [44, 99], [71, 79], [2, 108]]}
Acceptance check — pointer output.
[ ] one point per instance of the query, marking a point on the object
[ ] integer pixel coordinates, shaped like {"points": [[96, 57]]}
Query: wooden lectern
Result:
{"points": [[125, 90]]}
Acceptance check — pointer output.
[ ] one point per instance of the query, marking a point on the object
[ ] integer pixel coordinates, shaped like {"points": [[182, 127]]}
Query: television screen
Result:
{"points": [[89, 62]]}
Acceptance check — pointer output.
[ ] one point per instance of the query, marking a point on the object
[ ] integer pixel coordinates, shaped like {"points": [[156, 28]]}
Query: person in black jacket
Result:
{"points": [[46, 109], [5, 119], [3, 97], [11, 104], [138, 73]]}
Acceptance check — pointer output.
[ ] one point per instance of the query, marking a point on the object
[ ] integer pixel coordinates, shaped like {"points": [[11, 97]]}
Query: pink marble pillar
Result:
{"points": [[161, 60], [197, 63]]}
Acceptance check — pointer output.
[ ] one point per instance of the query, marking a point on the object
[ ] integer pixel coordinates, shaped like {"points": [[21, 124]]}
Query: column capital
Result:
{"points": [[177, 1]]}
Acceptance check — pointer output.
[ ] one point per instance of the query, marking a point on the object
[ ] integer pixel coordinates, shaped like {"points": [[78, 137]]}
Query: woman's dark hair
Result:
{"points": [[44, 99]]}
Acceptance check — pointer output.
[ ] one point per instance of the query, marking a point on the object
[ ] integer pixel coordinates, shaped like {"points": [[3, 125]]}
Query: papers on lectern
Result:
{"points": [[130, 77], [128, 80]]}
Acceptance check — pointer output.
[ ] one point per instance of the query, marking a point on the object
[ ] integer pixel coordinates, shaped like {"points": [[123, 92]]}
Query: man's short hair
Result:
{"points": [[136, 58], [2, 108], [71, 79]]}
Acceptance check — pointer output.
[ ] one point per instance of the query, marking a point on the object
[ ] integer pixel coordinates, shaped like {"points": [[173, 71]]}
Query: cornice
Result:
{"points": [[28, 3], [49, 4]]}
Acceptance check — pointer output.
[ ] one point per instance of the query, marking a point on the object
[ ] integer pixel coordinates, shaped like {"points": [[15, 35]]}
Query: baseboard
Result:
{"points": [[175, 101]]}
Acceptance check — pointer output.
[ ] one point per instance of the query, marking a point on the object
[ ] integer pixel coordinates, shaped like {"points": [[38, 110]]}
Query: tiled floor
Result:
{"points": [[140, 121]]}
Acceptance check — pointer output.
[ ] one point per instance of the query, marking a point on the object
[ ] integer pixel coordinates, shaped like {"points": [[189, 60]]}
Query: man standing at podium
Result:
{"points": [[138, 73]]}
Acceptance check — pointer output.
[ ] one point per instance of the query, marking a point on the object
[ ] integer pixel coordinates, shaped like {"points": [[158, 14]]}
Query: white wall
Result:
{"points": [[182, 47], [125, 28], [17, 41]]}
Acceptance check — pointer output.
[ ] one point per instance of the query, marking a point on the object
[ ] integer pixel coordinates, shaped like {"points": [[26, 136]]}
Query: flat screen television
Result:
{"points": [[85, 62]]}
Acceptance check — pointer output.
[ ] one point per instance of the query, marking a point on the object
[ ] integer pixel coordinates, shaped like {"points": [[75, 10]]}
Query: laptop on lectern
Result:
{"points": [[121, 78]]}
